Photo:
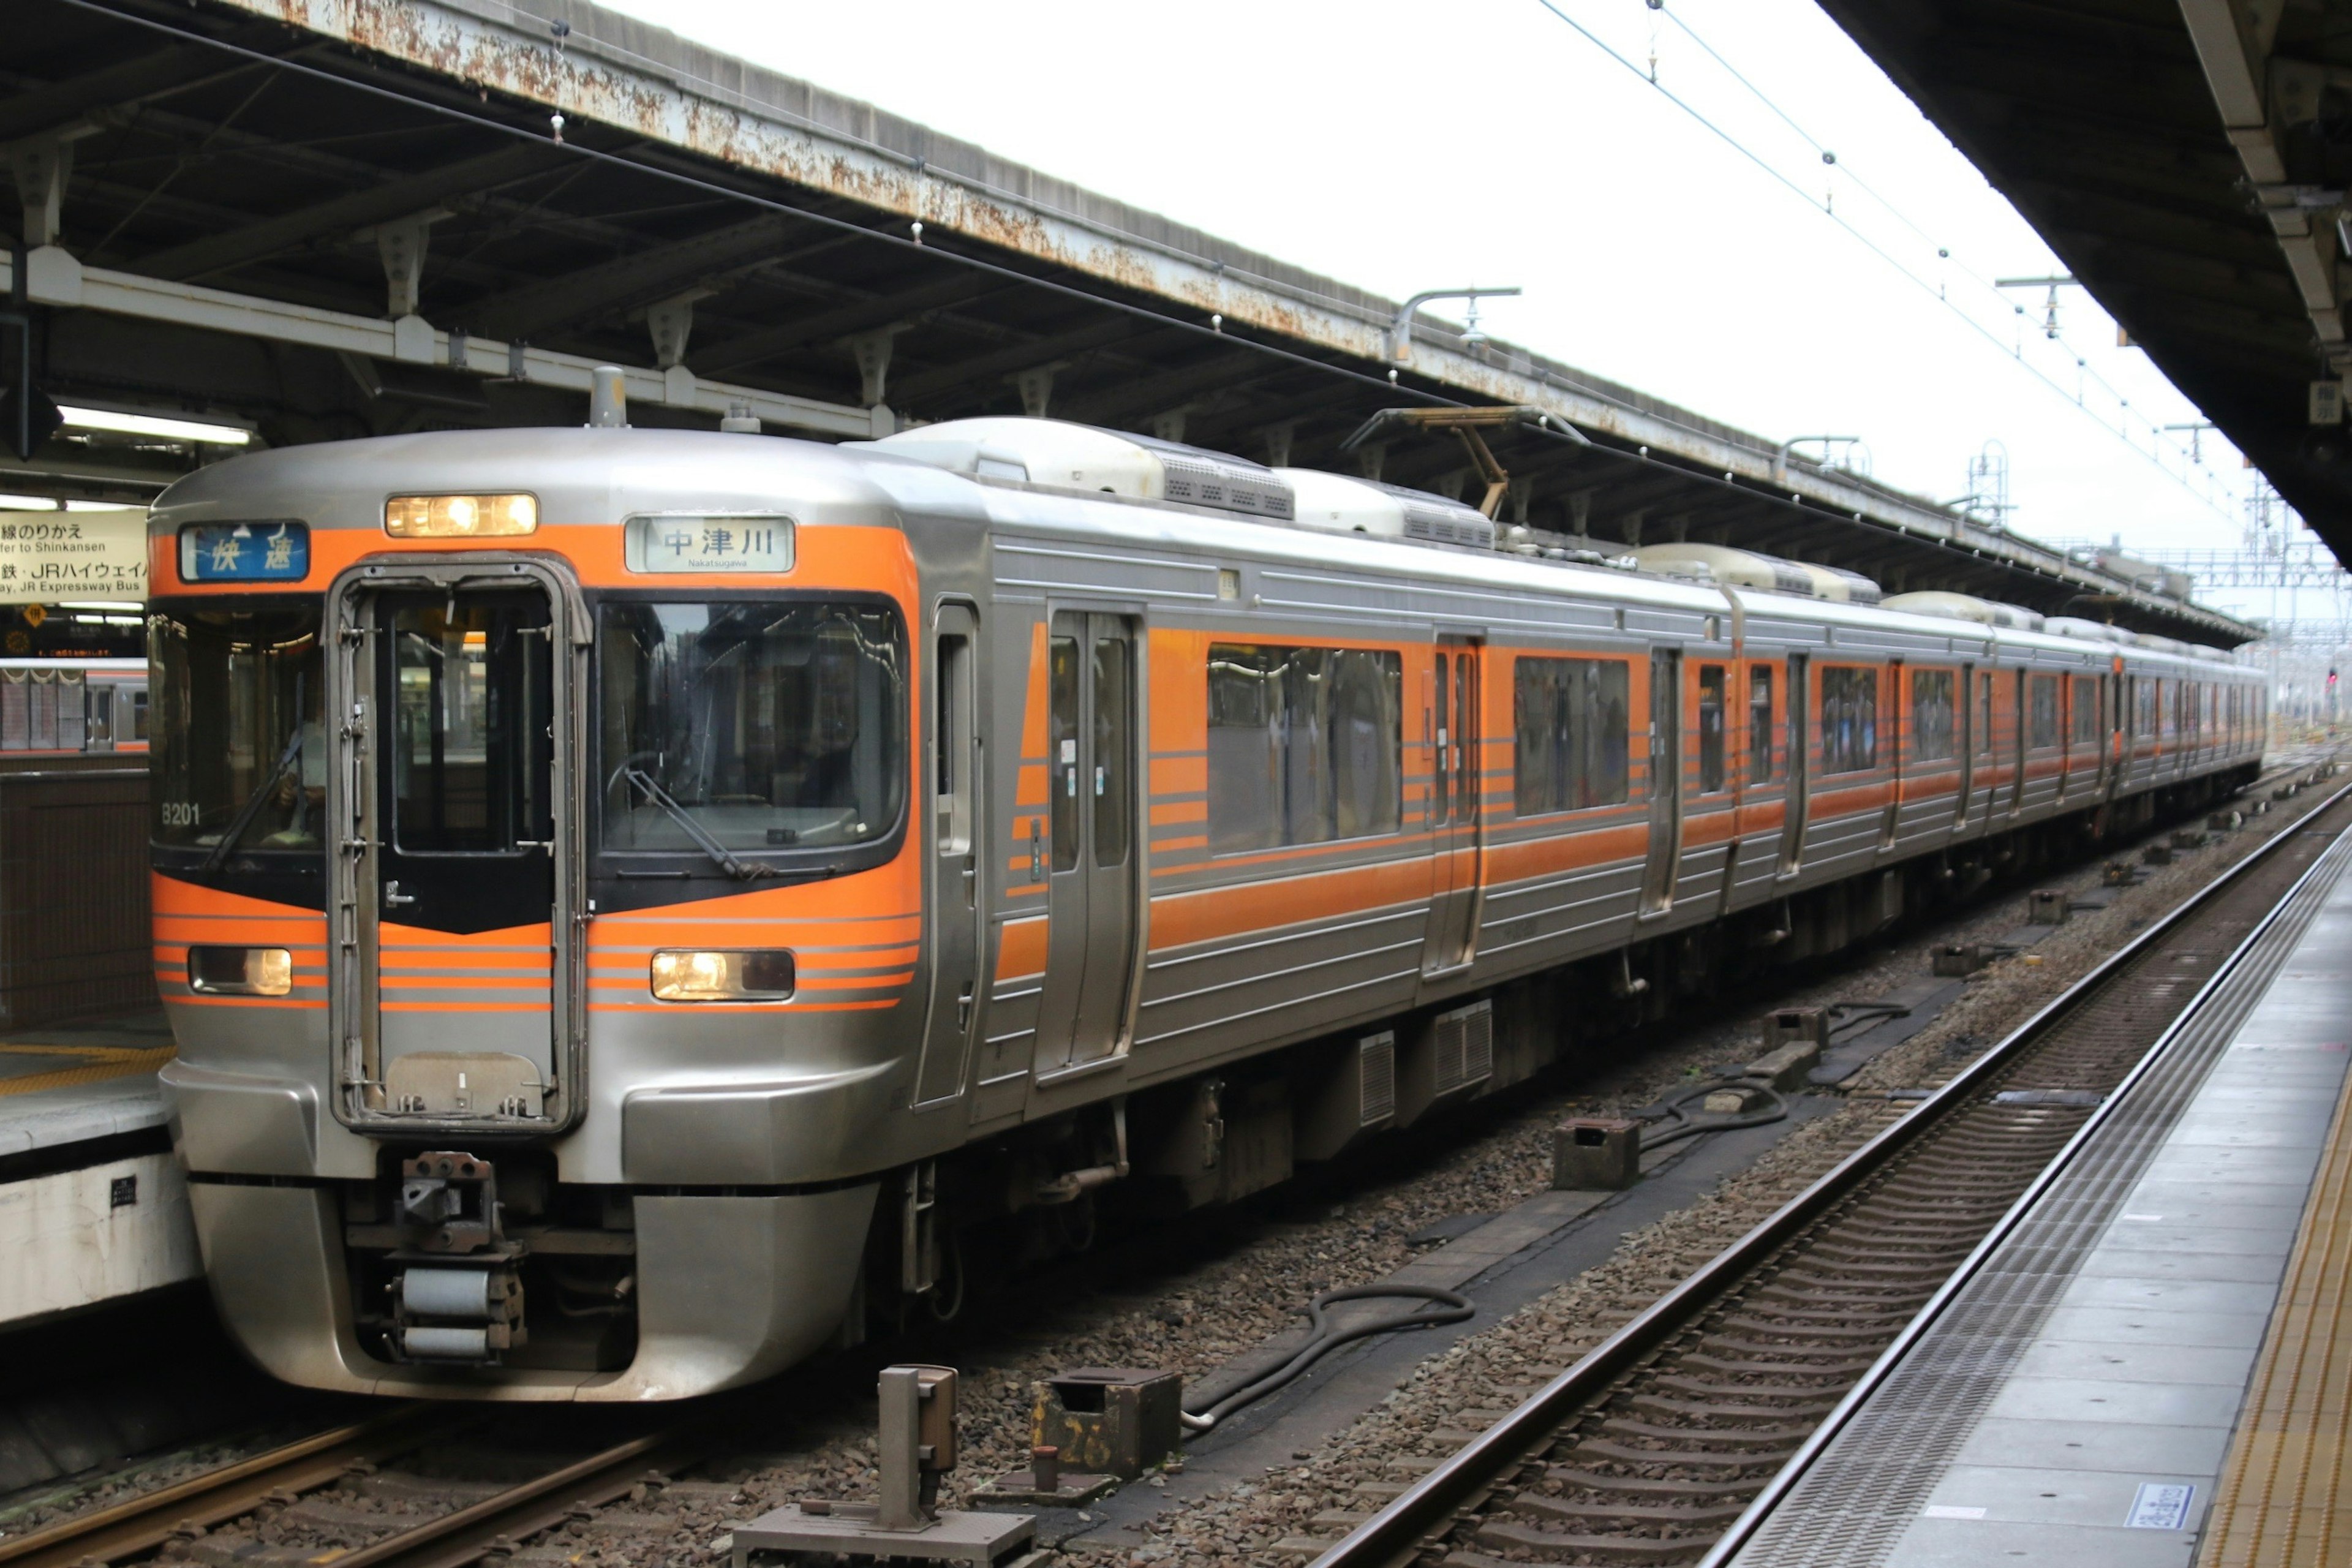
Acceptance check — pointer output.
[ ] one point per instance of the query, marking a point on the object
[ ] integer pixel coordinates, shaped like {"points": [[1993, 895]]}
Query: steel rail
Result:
{"points": [[1399, 1530], [455, 1540], [1760, 1507], [141, 1525]]}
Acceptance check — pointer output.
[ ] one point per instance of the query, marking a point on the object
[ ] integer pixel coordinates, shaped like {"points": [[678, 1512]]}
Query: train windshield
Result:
{"points": [[733, 730], [239, 762]]}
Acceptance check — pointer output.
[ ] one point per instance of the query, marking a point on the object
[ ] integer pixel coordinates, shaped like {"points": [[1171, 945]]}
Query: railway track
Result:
{"points": [[1765, 1373], [1649, 1448], [470, 1526]]}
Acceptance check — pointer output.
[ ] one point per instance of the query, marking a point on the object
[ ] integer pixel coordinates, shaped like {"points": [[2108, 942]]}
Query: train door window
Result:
{"points": [[138, 715], [954, 742], [2042, 694], [1467, 782], [2086, 711], [1984, 715], [473, 698], [1440, 752], [1113, 723], [1849, 719], [1931, 716], [2149, 707], [1759, 723], [1713, 694], [1062, 705], [99, 733], [1965, 742]]}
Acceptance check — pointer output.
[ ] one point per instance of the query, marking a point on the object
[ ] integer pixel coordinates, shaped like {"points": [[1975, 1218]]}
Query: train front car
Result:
{"points": [[539, 900]]}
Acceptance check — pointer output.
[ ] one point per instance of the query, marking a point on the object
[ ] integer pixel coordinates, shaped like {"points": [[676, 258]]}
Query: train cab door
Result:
{"points": [[1094, 735], [1455, 808], [1664, 862], [954, 767], [457, 989], [1796, 746]]}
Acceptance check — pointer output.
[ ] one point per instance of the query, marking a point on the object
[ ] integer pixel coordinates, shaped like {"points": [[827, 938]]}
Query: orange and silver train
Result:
{"points": [[638, 905]]}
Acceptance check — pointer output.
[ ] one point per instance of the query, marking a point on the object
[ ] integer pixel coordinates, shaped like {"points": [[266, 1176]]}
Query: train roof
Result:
{"points": [[603, 475]]}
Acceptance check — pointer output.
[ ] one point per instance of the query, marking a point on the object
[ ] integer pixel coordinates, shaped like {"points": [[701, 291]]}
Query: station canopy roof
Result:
{"points": [[2187, 160], [316, 219]]}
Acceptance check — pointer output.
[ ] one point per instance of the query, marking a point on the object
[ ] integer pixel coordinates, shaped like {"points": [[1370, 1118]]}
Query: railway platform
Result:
{"points": [[92, 1205], [2147, 1364]]}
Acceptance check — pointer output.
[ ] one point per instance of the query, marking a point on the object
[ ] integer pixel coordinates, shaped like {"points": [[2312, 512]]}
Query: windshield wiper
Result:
{"points": [[734, 865], [253, 802]]}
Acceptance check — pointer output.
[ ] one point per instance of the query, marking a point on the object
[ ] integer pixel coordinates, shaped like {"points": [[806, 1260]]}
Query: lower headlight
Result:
{"points": [[241, 970], [762, 974]]}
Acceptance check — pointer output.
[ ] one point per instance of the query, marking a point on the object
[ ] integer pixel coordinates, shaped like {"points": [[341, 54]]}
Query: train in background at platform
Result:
{"points": [[635, 906], [69, 707]]}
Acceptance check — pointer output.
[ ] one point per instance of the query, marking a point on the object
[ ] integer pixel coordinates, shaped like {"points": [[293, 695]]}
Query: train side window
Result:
{"points": [[1759, 723], [1712, 696], [1062, 735], [2043, 700], [1849, 719], [2087, 709], [954, 744], [1568, 719], [1306, 745], [1932, 736]]}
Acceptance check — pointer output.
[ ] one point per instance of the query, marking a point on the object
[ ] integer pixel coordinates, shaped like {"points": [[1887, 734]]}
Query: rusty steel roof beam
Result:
{"points": [[115, 88], [396, 198], [877, 310]]}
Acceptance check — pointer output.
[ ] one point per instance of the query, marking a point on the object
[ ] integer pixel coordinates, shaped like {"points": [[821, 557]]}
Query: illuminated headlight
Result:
{"points": [[241, 970], [460, 517], [765, 976]]}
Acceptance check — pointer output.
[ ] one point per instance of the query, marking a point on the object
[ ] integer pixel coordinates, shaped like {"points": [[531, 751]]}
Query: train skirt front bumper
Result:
{"points": [[730, 1289]]}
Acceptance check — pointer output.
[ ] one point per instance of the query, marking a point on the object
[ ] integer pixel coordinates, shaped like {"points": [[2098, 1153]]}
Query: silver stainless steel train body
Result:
{"points": [[611, 959]]}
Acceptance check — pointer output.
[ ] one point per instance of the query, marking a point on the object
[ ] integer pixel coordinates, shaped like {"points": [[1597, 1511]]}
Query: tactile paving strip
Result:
{"points": [[2279, 1502]]}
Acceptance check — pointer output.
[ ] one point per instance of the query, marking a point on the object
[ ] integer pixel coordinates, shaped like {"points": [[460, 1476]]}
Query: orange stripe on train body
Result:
{"points": [[1021, 949], [1180, 919], [1556, 853]]}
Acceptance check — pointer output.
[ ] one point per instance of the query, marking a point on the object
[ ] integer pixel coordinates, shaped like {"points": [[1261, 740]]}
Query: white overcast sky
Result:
{"points": [[1384, 148]]}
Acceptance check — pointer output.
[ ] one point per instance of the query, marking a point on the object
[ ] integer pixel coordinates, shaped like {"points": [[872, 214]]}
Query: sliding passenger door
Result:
{"points": [[1092, 887], [1797, 748], [1666, 781], [1457, 807], [953, 767]]}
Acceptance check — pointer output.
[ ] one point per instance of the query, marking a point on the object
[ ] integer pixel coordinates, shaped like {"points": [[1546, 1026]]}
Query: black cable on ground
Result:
{"points": [[1452, 1308], [1680, 1122]]}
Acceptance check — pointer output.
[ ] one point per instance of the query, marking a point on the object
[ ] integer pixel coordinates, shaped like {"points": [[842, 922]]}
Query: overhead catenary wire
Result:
{"points": [[1991, 290], [1783, 179]]}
